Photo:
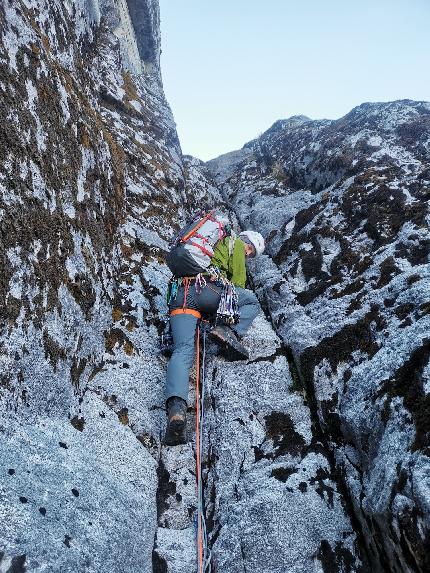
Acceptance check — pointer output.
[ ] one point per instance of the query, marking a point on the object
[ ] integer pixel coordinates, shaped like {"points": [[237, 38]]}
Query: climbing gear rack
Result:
{"points": [[228, 309]]}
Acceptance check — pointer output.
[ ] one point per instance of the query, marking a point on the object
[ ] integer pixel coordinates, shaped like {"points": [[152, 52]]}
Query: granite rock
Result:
{"points": [[344, 208]]}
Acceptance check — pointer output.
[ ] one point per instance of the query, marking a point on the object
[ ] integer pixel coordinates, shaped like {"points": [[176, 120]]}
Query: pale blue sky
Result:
{"points": [[233, 67]]}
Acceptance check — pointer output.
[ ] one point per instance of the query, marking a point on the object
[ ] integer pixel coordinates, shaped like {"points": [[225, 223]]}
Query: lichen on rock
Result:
{"points": [[346, 284], [318, 442]]}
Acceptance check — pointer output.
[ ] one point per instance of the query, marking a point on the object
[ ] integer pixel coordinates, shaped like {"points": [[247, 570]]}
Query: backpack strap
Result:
{"points": [[202, 248], [197, 227], [231, 243], [204, 239], [221, 231]]}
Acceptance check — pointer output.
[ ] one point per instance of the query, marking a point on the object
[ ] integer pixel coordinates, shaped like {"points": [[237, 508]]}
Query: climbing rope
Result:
{"points": [[203, 552]]}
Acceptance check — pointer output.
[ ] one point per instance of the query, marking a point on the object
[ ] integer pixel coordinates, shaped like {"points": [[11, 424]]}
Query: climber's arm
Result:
{"points": [[238, 266]]}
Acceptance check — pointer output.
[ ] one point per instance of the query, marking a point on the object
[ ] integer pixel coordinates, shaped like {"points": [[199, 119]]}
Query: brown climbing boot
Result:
{"points": [[176, 431], [229, 343]]}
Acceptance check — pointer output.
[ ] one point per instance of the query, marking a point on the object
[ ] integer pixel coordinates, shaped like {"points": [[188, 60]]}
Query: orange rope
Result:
{"points": [[198, 466]]}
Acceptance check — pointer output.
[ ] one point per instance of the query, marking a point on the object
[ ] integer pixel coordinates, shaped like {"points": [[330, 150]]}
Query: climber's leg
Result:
{"points": [[183, 332], [249, 307], [208, 301]]}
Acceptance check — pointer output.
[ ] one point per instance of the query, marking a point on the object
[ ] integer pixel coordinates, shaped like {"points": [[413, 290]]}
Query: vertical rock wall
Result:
{"points": [[90, 186], [271, 499], [344, 206]]}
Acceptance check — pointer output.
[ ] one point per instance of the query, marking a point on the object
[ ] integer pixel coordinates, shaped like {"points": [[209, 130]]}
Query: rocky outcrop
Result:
{"points": [[344, 206], [91, 183], [136, 24], [92, 187], [272, 502], [272, 493]]}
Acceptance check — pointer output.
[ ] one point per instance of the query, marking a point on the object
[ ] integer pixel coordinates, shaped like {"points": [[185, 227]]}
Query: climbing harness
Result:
{"points": [[228, 309], [203, 551], [174, 285], [166, 339], [191, 311]]}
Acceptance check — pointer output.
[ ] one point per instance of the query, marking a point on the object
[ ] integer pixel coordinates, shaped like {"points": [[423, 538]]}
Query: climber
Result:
{"points": [[203, 293]]}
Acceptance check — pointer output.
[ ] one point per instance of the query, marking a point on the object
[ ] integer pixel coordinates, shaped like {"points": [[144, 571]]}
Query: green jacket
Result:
{"points": [[232, 267]]}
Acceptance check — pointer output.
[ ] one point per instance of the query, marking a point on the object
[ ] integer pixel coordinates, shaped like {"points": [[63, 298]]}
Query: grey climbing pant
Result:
{"points": [[184, 330]]}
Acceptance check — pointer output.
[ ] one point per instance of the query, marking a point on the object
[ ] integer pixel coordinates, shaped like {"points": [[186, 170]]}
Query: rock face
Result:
{"points": [[271, 497], [91, 178], [272, 502], [93, 185], [344, 206]]}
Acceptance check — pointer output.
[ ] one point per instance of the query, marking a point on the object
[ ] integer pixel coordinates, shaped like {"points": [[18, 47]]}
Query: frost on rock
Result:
{"points": [[75, 493], [93, 186], [344, 208], [81, 288], [274, 502]]}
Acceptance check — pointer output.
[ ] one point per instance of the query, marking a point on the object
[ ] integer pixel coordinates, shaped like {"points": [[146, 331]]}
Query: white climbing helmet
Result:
{"points": [[256, 239]]}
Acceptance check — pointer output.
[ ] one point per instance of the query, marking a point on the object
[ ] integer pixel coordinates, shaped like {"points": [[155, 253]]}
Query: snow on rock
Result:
{"points": [[71, 499], [271, 497], [344, 208]]}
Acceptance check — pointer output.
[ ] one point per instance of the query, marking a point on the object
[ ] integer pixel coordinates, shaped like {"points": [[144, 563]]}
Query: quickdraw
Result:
{"points": [[172, 290], [228, 305], [228, 309], [175, 284], [200, 283]]}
